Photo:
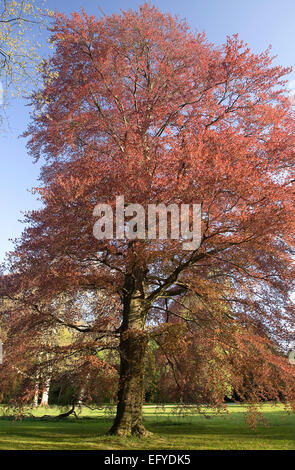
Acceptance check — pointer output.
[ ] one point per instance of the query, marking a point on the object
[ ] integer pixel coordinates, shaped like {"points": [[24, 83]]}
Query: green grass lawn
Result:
{"points": [[170, 431]]}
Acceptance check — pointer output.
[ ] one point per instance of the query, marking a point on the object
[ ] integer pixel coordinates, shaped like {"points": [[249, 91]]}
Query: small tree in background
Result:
{"points": [[21, 26]]}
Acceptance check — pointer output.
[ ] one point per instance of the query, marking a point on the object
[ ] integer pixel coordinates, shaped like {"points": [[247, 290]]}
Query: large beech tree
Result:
{"points": [[137, 105]]}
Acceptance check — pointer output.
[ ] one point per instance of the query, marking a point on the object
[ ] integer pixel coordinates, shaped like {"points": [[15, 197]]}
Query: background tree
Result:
{"points": [[137, 105], [21, 25]]}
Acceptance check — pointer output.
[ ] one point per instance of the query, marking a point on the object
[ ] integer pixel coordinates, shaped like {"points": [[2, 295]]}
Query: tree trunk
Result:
{"points": [[133, 343], [36, 396], [81, 396], [45, 393]]}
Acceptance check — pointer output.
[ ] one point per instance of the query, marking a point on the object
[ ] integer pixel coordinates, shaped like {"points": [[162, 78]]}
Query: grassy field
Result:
{"points": [[170, 431]]}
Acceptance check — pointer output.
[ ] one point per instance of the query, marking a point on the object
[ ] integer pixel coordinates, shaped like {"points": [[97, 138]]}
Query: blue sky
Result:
{"points": [[258, 22]]}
